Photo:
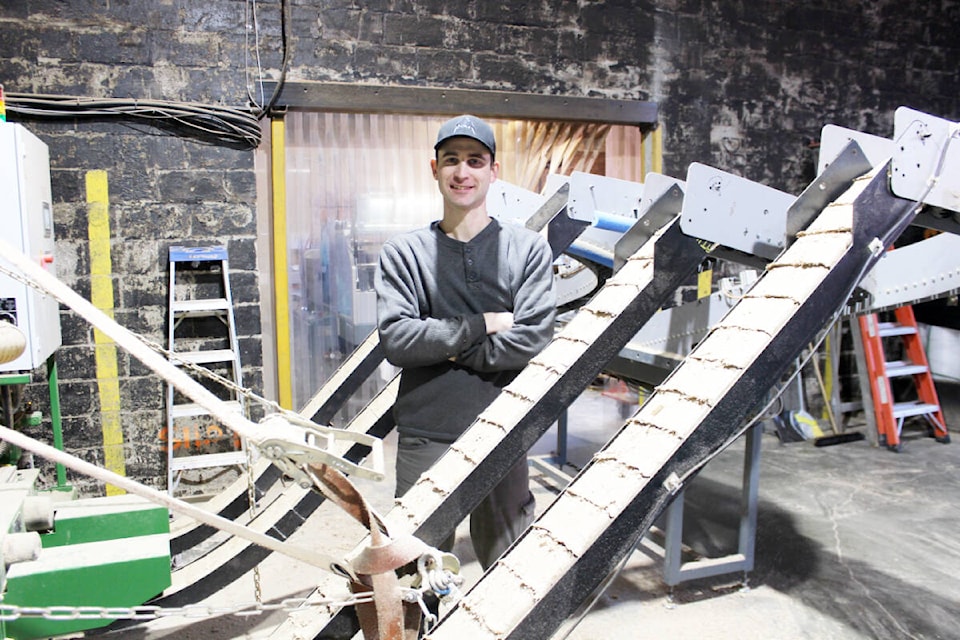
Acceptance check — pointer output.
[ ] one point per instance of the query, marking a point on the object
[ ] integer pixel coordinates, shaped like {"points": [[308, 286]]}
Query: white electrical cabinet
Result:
{"points": [[26, 220]]}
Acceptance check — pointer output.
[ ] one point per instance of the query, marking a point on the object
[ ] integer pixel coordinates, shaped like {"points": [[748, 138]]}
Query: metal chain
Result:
{"points": [[242, 392], [9, 612], [252, 500]]}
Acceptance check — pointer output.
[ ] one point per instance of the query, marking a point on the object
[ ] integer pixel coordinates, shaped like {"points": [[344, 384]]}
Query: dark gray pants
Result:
{"points": [[497, 521]]}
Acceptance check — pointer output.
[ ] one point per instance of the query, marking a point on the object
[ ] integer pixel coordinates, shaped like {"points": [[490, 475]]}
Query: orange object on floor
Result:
{"points": [[890, 415]]}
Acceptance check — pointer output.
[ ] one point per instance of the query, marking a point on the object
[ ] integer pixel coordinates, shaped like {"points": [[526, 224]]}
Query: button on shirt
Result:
{"points": [[432, 291]]}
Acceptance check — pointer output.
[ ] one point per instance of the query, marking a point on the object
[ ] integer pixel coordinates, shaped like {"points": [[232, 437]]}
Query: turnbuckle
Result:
{"points": [[292, 442]]}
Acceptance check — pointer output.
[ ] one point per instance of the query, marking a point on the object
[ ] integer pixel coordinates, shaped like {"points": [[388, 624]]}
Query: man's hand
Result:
{"points": [[498, 321]]}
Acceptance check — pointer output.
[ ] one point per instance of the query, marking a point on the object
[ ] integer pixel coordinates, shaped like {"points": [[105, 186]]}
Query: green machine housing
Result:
{"points": [[111, 552]]}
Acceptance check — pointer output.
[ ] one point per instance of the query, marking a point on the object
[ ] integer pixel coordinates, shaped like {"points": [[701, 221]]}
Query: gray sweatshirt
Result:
{"points": [[432, 292]]}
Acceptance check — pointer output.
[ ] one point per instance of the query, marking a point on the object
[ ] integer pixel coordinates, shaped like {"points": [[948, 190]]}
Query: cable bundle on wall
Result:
{"points": [[232, 126], [229, 125]]}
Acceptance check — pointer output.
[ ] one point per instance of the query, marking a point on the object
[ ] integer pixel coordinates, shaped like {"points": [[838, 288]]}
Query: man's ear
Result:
{"points": [[433, 167], [495, 170]]}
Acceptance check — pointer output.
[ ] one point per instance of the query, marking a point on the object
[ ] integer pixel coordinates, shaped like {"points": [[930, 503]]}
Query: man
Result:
{"points": [[462, 306]]}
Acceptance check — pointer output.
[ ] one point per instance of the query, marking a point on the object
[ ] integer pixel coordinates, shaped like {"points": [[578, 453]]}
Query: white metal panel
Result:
{"points": [[737, 213], [834, 139], [657, 184], [591, 194], [926, 149], [919, 271], [508, 202], [27, 220]]}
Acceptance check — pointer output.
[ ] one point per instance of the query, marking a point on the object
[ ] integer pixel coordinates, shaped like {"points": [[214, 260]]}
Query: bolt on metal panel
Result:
{"points": [[737, 213], [926, 149]]}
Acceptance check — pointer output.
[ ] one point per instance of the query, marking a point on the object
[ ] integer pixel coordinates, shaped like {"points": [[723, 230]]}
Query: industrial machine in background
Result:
{"points": [[813, 252]]}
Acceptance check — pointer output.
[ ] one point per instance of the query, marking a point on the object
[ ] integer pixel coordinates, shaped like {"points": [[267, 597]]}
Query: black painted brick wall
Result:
{"points": [[744, 86], [164, 189]]}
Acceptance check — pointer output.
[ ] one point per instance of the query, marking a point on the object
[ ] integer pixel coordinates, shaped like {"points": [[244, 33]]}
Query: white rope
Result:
{"points": [[127, 340]]}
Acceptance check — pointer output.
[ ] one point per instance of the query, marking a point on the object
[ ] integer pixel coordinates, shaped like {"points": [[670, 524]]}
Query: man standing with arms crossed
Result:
{"points": [[462, 306]]}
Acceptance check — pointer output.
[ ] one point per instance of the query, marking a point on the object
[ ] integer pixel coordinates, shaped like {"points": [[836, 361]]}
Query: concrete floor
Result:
{"points": [[853, 542]]}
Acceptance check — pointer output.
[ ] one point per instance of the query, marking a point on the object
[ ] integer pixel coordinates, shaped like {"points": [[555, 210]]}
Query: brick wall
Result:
{"points": [[752, 83], [745, 86], [164, 188]]}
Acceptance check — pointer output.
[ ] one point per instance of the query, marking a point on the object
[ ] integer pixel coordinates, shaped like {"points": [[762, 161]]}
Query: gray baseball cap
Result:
{"points": [[470, 127]]}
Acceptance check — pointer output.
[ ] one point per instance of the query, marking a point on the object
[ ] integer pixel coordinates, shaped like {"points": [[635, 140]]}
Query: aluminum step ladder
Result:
{"points": [[890, 415], [201, 332]]}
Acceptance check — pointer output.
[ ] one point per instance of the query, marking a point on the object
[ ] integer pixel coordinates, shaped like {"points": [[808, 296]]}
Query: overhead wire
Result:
{"points": [[219, 124], [284, 60], [251, 20]]}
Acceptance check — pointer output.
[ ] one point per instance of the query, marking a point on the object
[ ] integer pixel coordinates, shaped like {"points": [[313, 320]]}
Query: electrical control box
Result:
{"points": [[26, 218]]}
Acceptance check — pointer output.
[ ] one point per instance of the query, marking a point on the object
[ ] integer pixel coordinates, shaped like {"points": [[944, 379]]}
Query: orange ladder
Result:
{"points": [[890, 415]]}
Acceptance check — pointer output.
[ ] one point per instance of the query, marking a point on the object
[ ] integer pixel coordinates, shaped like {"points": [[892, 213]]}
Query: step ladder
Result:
{"points": [[888, 413], [201, 331]]}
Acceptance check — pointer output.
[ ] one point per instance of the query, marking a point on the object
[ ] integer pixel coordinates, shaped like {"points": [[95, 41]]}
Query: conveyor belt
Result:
{"points": [[345, 381], [226, 564], [597, 519], [557, 563], [233, 502], [216, 566], [531, 403]]}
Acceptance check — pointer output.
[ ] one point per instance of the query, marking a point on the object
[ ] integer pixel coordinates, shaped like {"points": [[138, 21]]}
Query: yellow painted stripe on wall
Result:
{"points": [[281, 288], [105, 350], [657, 142]]}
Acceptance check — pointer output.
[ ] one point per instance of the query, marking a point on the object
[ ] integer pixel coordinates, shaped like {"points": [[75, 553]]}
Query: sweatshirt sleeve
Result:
{"points": [[407, 336], [533, 315]]}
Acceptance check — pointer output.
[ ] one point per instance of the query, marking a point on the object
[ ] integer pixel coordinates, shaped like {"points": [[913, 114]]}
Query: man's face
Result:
{"points": [[464, 172]]}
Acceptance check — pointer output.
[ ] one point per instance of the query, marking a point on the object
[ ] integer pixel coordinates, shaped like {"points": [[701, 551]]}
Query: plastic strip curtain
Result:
{"points": [[354, 180], [558, 147]]}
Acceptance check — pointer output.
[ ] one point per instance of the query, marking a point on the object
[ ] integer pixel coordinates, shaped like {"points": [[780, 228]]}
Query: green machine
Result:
{"points": [[56, 553], [110, 552]]}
